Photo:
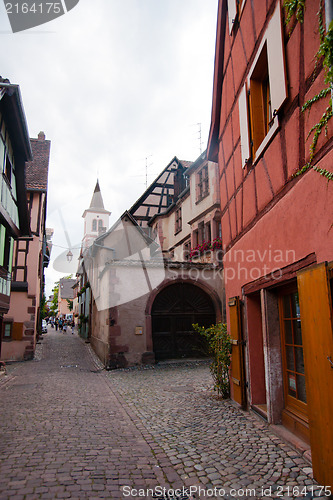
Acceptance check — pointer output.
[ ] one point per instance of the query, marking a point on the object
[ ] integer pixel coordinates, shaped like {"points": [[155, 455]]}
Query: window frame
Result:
{"points": [[178, 220], [292, 404], [202, 183], [272, 42], [10, 336]]}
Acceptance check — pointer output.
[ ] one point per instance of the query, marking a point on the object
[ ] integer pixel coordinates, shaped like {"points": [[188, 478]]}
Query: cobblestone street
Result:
{"points": [[69, 429]]}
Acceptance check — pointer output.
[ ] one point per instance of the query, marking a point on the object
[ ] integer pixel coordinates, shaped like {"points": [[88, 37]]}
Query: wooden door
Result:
{"points": [[176, 308], [237, 354], [316, 316]]}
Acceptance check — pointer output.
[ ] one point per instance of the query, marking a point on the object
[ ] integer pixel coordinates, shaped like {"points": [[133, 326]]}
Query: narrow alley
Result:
{"points": [[69, 429]]}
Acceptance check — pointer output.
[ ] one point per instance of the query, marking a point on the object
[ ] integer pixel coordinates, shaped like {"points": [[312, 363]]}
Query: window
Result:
{"points": [[201, 233], [260, 101], [292, 354], [208, 233], [187, 249], [264, 92], [234, 10], [94, 225], [203, 185], [178, 221], [7, 331], [100, 224]]}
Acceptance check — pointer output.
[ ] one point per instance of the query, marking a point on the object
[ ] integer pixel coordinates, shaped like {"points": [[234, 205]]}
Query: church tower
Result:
{"points": [[96, 218]]}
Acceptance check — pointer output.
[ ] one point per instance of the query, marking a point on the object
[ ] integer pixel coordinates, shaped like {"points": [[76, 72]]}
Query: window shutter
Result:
{"points": [[17, 332], [276, 61], [232, 12], [237, 369], [244, 126], [315, 300]]}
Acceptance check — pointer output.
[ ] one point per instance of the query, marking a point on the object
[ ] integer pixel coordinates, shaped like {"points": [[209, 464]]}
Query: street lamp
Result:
{"points": [[69, 256]]}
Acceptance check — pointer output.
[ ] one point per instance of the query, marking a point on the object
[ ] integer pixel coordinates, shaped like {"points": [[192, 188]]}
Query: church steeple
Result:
{"points": [[96, 218], [97, 200]]}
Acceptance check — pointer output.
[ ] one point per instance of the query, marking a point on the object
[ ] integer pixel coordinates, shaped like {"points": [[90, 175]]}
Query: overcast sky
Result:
{"points": [[111, 83]]}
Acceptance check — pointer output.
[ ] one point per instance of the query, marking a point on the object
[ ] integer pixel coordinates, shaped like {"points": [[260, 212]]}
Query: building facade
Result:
{"points": [[31, 255], [147, 290], [15, 151], [269, 99]]}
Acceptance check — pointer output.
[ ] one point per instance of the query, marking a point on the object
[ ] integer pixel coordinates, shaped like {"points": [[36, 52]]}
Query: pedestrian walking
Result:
{"points": [[73, 326], [64, 327], [60, 324], [56, 324]]}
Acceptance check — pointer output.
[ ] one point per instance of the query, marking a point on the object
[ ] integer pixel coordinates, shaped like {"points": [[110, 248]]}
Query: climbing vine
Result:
{"points": [[325, 53]]}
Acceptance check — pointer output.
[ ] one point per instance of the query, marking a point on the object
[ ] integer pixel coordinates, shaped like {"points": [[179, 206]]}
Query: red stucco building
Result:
{"points": [[277, 228]]}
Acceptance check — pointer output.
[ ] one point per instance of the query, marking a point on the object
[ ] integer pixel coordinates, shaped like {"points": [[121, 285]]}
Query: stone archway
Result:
{"points": [[173, 313]]}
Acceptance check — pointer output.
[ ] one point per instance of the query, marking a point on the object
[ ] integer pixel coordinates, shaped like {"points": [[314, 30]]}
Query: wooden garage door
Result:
{"points": [[175, 310]]}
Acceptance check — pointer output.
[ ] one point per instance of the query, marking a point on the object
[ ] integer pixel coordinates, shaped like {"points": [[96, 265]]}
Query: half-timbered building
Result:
{"points": [[271, 134], [22, 323]]}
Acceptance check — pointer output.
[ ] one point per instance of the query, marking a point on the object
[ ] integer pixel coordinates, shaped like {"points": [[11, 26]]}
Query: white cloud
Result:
{"points": [[111, 83]]}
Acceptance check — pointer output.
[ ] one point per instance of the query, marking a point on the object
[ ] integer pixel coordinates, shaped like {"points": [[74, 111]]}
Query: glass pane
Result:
{"points": [[301, 391], [299, 359], [292, 385], [7, 330], [286, 307], [288, 331], [297, 332], [295, 305], [290, 358]]}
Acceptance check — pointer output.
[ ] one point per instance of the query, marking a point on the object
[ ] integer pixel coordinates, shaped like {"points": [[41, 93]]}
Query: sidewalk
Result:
{"points": [[72, 430]]}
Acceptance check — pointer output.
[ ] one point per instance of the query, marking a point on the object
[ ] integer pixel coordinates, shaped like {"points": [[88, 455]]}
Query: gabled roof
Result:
{"points": [[36, 170], [159, 195]]}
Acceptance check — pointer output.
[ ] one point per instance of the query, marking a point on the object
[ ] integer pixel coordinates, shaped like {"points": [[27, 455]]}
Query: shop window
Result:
{"points": [[292, 354], [264, 92]]}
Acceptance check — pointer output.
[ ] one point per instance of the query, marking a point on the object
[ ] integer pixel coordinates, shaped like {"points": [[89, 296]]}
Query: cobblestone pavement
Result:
{"points": [[71, 430]]}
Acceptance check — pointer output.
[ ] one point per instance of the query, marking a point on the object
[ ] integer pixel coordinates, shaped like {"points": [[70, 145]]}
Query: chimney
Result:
{"points": [[41, 136]]}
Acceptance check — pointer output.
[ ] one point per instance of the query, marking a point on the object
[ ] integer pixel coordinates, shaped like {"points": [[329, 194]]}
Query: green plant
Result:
{"points": [[324, 53], [70, 304], [294, 7], [219, 345]]}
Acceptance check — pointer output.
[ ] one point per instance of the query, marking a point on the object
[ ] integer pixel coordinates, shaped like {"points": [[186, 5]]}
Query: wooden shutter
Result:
{"points": [[276, 61], [244, 125], [237, 355], [17, 332], [316, 319]]}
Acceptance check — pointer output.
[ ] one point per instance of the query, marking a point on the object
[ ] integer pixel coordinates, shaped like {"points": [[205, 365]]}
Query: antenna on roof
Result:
{"points": [[199, 134], [147, 169], [200, 141]]}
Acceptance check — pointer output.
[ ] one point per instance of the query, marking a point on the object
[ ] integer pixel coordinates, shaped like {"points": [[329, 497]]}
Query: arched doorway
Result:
{"points": [[175, 309]]}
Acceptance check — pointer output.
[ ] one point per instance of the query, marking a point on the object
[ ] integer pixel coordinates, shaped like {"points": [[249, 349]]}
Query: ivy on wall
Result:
{"points": [[325, 53]]}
